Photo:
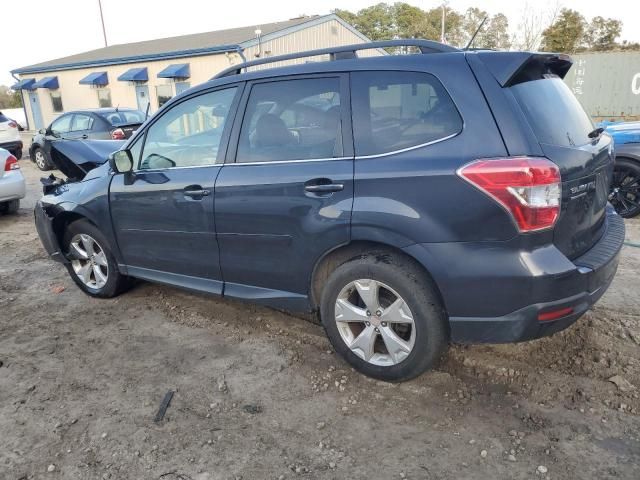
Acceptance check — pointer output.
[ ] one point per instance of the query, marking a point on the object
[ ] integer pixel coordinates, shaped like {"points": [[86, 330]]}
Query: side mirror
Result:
{"points": [[42, 131], [121, 161]]}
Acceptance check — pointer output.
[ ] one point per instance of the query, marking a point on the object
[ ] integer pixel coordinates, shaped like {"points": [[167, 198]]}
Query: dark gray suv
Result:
{"points": [[411, 200]]}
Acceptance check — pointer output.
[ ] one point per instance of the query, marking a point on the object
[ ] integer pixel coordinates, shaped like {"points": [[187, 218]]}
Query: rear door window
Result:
{"points": [[554, 113], [292, 120], [81, 122], [61, 125], [398, 110]]}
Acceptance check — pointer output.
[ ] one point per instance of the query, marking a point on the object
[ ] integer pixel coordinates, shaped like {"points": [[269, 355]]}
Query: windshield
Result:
{"points": [[554, 113], [123, 117]]}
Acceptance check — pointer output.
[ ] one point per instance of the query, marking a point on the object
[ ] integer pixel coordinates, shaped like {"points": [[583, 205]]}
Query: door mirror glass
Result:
{"points": [[121, 161]]}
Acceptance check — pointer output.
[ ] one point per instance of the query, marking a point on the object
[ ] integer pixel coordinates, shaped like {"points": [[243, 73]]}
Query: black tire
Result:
{"points": [[18, 154], [41, 160], [625, 187], [10, 207], [416, 289], [116, 282]]}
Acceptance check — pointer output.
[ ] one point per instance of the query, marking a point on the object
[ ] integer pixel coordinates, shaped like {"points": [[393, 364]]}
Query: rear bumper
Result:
{"points": [[12, 146], [540, 282], [44, 226], [12, 186]]}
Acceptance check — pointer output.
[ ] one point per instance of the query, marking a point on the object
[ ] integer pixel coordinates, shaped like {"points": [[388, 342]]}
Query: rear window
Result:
{"points": [[397, 110], [554, 113], [3, 118], [123, 117]]}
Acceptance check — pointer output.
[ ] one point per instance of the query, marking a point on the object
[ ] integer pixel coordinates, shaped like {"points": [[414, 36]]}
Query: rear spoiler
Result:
{"points": [[511, 68]]}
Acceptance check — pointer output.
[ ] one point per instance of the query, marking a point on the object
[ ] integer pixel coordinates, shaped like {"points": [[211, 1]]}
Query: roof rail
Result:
{"points": [[343, 52]]}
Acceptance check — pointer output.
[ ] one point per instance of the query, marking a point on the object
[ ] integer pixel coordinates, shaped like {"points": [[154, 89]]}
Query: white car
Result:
{"points": [[12, 184], [10, 136]]}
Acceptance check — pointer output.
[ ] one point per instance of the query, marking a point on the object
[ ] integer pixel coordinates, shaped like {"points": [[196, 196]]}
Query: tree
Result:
{"points": [[494, 33], [533, 22], [376, 22], [566, 33], [601, 33], [9, 98]]}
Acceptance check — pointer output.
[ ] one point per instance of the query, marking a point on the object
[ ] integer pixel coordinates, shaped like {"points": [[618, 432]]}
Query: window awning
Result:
{"points": [[177, 70], [96, 78], [46, 82], [24, 84], [135, 75]]}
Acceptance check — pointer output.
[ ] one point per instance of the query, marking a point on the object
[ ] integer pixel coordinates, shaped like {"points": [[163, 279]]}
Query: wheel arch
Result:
{"points": [[358, 248]]}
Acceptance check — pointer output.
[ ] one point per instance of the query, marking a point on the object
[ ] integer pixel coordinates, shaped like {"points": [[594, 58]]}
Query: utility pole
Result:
{"points": [[444, 14], [104, 32]]}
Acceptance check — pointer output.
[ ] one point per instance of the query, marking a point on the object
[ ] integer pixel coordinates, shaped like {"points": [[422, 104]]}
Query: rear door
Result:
{"points": [[81, 127], [586, 164], [287, 197]]}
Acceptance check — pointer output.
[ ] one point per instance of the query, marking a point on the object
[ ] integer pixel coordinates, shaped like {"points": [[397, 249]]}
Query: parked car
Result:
{"points": [[622, 132], [12, 184], [10, 136], [410, 200], [97, 124], [625, 187]]}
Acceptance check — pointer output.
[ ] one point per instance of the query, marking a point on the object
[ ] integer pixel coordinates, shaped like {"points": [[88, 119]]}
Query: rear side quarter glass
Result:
{"points": [[394, 111], [553, 112]]}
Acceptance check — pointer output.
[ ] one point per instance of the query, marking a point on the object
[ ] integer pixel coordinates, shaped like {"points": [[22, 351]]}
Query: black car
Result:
{"points": [[97, 124], [410, 200], [625, 187]]}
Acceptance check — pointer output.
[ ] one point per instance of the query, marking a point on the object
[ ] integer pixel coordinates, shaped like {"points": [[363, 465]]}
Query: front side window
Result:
{"points": [[164, 94], [292, 120], [81, 122], [104, 98], [56, 100], [189, 134], [61, 125], [397, 110]]}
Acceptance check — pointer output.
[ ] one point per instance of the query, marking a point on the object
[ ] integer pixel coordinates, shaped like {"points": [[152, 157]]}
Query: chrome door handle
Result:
{"points": [[327, 188], [197, 193]]}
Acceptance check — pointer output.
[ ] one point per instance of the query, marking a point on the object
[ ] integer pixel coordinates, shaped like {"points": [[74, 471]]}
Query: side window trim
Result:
{"points": [[345, 118], [224, 140]]}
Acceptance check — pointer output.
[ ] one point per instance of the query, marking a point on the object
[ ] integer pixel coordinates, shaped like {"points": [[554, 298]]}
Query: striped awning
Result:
{"points": [[178, 70], [24, 84], [47, 82], [98, 79], [135, 75]]}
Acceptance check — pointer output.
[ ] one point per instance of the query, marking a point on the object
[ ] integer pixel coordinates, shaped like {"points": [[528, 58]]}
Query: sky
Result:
{"points": [[51, 29]]}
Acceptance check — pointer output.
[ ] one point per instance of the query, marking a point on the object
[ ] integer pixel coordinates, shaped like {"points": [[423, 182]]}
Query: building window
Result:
{"points": [[164, 94], [56, 100], [104, 97]]}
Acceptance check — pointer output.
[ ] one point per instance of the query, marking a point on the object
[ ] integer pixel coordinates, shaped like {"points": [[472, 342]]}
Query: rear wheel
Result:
{"points": [[40, 159], [92, 265], [10, 207], [384, 317], [625, 187]]}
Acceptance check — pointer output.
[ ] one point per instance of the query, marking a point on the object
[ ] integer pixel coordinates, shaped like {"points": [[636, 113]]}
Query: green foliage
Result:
{"points": [[566, 33], [601, 34], [9, 98]]}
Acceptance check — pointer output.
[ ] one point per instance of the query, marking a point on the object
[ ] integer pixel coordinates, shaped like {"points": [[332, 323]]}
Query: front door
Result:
{"points": [[35, 110], [162, 212], [286, 200], [142, 97]]}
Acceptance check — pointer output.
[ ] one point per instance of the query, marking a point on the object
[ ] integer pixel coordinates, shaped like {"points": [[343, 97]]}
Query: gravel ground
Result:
{"points": [[260, 395]]}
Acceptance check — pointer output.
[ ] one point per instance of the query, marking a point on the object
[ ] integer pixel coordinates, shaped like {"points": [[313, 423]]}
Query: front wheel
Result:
{"points": [[625, 188], [383, 316], [40, 159], [92, 266]]}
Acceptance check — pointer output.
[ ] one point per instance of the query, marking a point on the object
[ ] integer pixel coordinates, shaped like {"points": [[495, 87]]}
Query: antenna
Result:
{"points": [[475, 34]]}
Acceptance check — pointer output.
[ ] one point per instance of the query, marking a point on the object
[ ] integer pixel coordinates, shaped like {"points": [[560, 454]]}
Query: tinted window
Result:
{"points": [[164, 94], [292, 120], [123, 117], [61, 125], [104, 97], [56, 101], [397, 110], [81, 122], [554, 113], [189, 133]]}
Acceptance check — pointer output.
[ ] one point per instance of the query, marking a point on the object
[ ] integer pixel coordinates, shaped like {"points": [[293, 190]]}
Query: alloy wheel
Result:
{"points": [[625, 191], [89, 261], [375, 322], [40, 160]]}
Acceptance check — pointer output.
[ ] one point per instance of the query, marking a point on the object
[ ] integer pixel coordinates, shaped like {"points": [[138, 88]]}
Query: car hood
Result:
{"points": [[75, 158]]}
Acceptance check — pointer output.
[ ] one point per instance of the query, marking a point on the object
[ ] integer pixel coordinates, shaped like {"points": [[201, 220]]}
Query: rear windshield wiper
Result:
{"points": [[596, 132]]}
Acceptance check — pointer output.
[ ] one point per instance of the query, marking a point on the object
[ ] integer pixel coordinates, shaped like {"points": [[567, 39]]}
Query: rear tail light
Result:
{"points": [[118, 134], [11, 164], [527, 187], [13, 125], [554, 314]]}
